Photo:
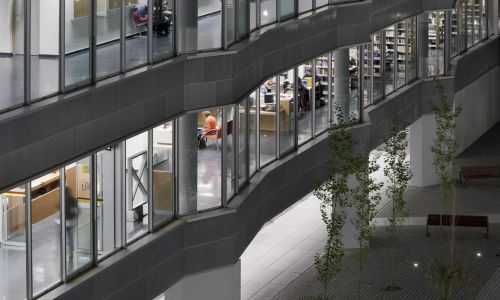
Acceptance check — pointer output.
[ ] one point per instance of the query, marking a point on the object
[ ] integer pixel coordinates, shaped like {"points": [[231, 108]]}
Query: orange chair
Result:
{"points": [[215, 135]]}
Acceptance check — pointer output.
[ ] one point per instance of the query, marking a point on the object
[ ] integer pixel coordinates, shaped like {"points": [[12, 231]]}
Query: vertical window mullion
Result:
{"points": [[93, 206], [92, 40], [313, 100], [150, 180], [27, 52], [123, 29], [382, 62], [236, 147], [329, 89], [62, 224], [257, 14], [277, 117], [29, 242], [150, 34], [223, 24], [296, 109], [257, 115], [123, 188], [224, 158], [62, 41], [361, 96]]}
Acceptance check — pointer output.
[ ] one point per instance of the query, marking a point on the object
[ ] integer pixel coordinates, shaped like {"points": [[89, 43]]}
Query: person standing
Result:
{"points": [[71, 213]]}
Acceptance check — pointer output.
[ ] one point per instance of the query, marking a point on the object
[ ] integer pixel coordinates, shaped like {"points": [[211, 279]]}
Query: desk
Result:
{"points": [[268, 119]]}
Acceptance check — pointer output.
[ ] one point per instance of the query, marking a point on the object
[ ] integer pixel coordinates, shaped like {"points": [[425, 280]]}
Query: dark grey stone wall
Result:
{"points": [[217, 238], [47, 134]]}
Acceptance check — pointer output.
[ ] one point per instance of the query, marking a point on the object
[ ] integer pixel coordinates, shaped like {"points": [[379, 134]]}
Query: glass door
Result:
{"points": [[12, 217]]}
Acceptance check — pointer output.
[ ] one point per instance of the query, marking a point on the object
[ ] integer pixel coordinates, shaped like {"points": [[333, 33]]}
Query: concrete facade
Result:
{"points": [[37, 138]]}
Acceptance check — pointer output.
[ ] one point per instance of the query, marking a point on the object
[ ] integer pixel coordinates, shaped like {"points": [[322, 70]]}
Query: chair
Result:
{"points": [[215, 135], [139, 16]]}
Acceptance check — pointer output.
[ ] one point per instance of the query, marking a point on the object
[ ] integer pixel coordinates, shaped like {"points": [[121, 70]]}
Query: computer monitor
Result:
{"points": [[268, 99]]}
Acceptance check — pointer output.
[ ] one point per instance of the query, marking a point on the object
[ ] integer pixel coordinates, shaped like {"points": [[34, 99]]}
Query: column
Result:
{"points": [[341, 80], [222, 283], [187, 153], [423, 44], [187, 25], [422, 134]]}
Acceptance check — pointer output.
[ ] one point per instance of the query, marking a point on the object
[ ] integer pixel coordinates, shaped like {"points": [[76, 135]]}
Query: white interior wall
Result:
{"points": [[6, 26], [422, 134], [480, 108], [108, 196], [208, 7], [47, 28], [217, 284]]}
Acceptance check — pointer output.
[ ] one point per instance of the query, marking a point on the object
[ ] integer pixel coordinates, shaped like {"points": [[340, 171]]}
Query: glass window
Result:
{"points": [[411, 56], [287, 8], [389, 66], [320, 3], [108, 185], [45, 49], [230, 22], [136, 185], [13, 244], [462, 26], [367, 72], [46, 231], [163, 174], [287, 110], [200, 161], [136, 34], [252, 132], [77, 43], [469, 7], [401, 51], [377, 65], [484, 19], [354, 101], [305, 5], [346, 81], [242, 142], [304, 99], [267, 121], [253, 14], [321, 93], [199, 24], [12, 33], [229, 154], [454, 33], [242, 18], [267, 12], [77, 227], [435, 61], [163, 28], [209, 24], [477, 20], [108, 41]]}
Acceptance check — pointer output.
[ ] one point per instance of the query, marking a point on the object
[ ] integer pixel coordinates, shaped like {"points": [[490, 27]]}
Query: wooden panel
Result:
{"points": [[15, 215], [45, 205], [162, 190], [80, 8]]}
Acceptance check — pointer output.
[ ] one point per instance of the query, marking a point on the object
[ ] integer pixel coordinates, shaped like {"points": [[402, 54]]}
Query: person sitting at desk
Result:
{"points": [[269, 85], [287, 87], [210, 122]]}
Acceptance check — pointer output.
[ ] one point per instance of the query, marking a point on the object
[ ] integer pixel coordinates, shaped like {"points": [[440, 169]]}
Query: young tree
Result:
{"points": [[336, 196], [446, 271], [398, 173], [366, 198]]}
